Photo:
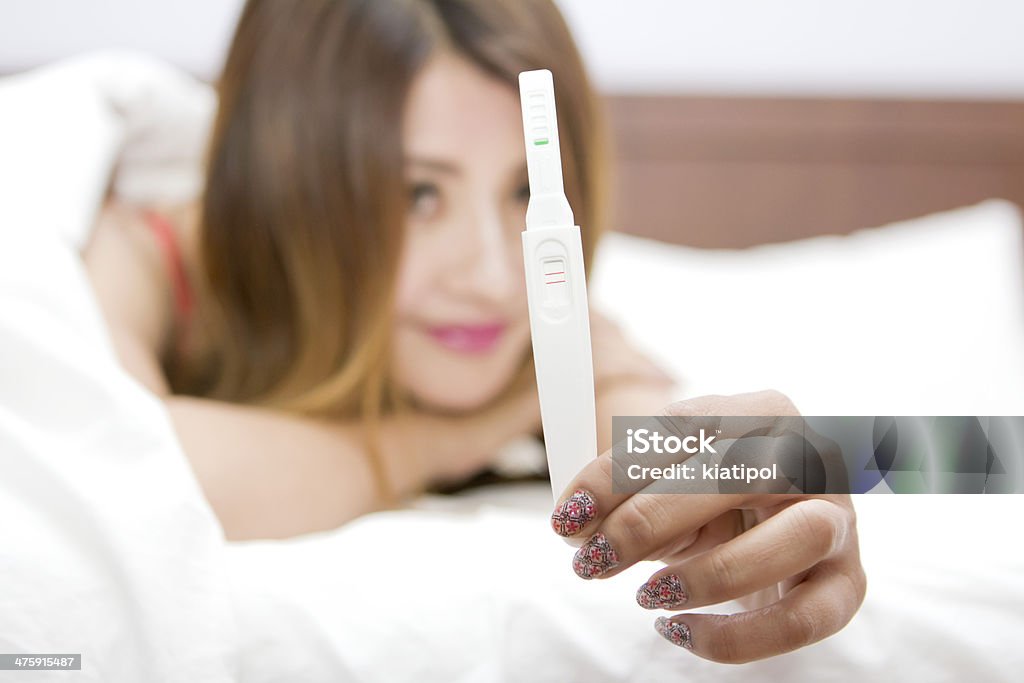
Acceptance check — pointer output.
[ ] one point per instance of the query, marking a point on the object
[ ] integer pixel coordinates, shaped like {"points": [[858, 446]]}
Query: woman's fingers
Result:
{"points": [[648, 526], [718, 530], [590, 498], [816, 608], [790, 542], [804, 548]]}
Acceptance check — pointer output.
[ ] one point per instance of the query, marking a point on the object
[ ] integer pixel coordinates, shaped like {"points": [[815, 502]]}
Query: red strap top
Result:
{"points": [[184, 297]]}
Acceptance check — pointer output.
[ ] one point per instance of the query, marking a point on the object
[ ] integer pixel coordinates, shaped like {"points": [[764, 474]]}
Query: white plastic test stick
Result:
{"points": [[556, 287]]}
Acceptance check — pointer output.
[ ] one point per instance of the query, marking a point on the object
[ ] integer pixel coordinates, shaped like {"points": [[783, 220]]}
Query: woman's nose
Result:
{"points": [[486, 268]]}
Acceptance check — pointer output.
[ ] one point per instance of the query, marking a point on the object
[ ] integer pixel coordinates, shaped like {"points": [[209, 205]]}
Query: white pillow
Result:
{"points": [[921, 317]]}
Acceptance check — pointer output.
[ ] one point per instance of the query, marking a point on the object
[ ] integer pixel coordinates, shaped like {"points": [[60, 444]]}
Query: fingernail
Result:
{"points": [[677, 634], [666, 592], [574, 513], [595, 557]]}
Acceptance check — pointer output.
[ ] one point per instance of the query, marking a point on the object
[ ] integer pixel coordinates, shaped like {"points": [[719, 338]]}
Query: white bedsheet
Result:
{"points": [[478, 590], [107, 547]]}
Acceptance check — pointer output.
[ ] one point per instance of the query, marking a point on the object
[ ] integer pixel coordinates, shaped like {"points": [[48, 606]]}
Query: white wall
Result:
{"points": [[863, 47], [190, 33], [945, 48]]}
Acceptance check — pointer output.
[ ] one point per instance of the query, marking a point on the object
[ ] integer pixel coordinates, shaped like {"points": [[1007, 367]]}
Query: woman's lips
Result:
{"points": [[468, 338]]}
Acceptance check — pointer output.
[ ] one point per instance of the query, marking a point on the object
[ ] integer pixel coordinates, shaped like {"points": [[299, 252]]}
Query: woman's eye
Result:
{"points": [[523, 193], [424, 199]]}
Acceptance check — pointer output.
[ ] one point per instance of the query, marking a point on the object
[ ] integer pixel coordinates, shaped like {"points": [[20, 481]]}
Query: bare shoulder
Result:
{"points": [[125, 268]]}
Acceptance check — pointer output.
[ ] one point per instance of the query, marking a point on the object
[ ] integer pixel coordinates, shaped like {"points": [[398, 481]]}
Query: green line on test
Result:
{"points": [[542, 141]]}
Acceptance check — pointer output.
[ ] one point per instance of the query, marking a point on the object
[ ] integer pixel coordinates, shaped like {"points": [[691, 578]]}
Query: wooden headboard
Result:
{"points": [[735, 172]]}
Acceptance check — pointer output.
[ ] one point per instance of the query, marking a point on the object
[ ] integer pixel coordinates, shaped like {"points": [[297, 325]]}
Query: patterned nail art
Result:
{"points": [[595, 557], [677, 634], [574, 513], [666, 592]]}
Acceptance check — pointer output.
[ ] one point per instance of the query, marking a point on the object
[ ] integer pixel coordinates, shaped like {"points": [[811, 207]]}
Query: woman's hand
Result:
{"points": [[792, 560]]}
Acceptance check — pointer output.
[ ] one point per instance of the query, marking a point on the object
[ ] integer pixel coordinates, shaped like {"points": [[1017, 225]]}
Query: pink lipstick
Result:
{"points": [[468, 338]]}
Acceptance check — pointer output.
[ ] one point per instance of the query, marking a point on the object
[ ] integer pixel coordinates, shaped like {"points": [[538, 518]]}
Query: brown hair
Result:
{"points": [[305, 198]]}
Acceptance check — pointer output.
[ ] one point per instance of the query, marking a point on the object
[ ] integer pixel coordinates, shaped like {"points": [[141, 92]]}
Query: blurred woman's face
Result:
{"points": [[462, 325]]}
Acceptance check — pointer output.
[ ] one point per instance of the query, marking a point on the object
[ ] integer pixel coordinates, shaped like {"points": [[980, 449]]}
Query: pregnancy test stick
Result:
{"points": [[556, 288]]}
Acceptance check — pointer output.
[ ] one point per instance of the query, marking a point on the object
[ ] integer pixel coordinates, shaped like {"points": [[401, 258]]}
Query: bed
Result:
{"points": [[107, 547]]}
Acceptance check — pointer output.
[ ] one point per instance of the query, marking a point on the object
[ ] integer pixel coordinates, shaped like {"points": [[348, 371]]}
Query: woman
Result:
{"points": [[343, 322]]}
